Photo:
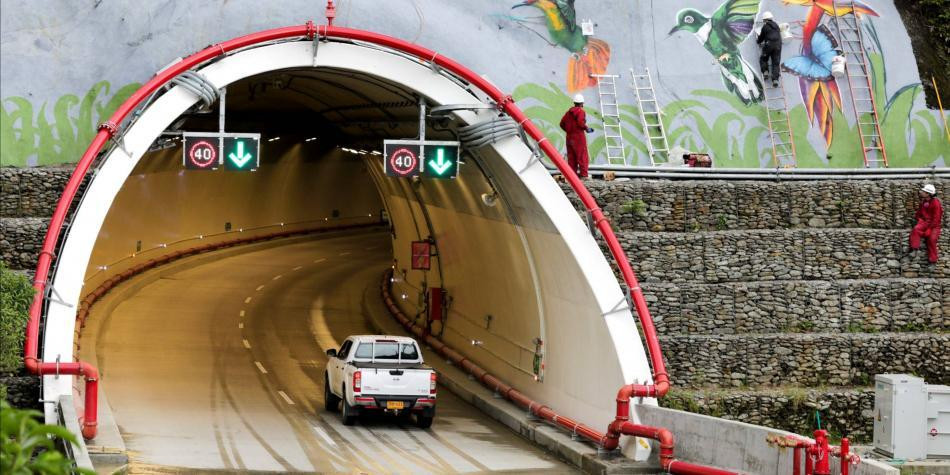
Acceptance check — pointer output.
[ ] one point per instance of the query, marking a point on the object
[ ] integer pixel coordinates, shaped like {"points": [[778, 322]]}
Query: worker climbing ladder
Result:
{"points": [[651, 116], [610, 114], [851, 41], [780, 127]]}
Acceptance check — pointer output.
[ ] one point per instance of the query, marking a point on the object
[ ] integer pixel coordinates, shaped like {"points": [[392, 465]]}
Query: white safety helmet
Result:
{"points": [[767, 16], [578, 98], [928, 188]]}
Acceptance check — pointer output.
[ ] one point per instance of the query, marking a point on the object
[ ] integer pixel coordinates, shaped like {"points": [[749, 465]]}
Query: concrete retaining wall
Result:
{"points": [[739, 445]]}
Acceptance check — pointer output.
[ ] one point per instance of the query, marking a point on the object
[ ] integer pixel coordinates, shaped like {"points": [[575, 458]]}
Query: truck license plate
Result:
{"points": [[395, 404]]}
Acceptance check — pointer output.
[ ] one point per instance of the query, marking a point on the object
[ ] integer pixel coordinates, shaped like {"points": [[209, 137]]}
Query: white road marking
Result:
{"points": [[260, 287], [242, 312], [247, 345], [247, 300], [240, 325], [344, 254], [323, 435], [260, 367], [298, 268], [286, 397], [278, 276], [319, 260]]}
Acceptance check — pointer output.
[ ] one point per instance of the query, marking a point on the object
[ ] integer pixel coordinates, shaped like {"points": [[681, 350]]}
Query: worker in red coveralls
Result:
{"points": [[928, 222], [574, 123]]}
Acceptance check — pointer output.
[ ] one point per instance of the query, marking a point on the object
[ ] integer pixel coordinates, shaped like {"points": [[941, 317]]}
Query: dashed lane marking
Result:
{"points": [[240, 325], [247, 300], [298, 268], [319, 260], [247, 345], [344, 254], [242, 312], [260, 367], [260, 287], [323, 435], [278, 276], [286, 397]]}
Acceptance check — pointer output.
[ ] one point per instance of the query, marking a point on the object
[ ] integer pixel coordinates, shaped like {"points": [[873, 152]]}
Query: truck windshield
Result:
{"points": [[387, 350]]}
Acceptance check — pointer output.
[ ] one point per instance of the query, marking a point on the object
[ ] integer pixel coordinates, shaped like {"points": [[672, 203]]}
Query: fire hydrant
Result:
{"points": [[820, 453]]}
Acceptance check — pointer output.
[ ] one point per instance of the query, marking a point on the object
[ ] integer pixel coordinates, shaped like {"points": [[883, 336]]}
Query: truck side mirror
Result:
{"points": [[331, 353]]}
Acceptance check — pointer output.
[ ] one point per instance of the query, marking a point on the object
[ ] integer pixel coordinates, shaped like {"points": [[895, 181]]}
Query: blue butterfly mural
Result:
{"points": [[815, 64]]}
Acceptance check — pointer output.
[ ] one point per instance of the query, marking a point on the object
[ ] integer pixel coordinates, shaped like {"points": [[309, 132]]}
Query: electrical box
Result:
{"points": [[938, 421], [900, 407]]}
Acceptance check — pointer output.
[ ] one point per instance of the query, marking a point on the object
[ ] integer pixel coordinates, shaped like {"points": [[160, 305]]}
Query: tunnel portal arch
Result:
{"points": [[371, 54]]}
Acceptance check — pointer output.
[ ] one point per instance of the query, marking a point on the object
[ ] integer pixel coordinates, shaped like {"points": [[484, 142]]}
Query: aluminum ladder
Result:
{"points": [[851, 41], [651, 116], [610, 115], [780, 127]]}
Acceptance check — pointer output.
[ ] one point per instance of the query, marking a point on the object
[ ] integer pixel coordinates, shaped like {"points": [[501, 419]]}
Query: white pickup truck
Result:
{"points": [[380, 373]]}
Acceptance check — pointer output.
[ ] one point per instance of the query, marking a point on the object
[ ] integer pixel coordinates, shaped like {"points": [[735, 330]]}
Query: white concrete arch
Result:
{"points": [[593, 345]]}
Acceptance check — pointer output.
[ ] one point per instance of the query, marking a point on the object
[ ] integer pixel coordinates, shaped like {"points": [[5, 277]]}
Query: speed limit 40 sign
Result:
{"points": [[201, 151], [402, 158]]}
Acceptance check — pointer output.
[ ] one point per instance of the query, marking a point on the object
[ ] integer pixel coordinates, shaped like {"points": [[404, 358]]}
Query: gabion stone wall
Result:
{"points": [[777, 299], [31, 192], [21, 240]]}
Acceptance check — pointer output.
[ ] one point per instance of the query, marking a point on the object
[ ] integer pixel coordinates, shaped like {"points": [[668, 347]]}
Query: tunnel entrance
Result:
{"points": [[524, 274]]}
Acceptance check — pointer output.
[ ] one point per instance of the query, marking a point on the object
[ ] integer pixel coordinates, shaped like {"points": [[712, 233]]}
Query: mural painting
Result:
{"points": [[589, 56], [711, 94], [721, 35]]}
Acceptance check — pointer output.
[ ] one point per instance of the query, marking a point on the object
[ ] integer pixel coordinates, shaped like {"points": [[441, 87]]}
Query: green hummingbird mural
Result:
{"points": [[721, 34], [588, 55]]}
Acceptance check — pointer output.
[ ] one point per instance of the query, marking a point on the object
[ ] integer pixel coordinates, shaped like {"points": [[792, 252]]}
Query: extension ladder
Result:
{"points": [[857, 69], [650, 115], [610, 114], [780, 127]]}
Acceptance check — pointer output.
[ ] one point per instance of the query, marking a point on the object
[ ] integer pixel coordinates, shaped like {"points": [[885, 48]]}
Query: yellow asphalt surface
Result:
{"points": [[220, 367]]}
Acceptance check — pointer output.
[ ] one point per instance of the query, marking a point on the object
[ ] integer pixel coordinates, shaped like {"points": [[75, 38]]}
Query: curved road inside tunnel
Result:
{"points": [[220, 366]]}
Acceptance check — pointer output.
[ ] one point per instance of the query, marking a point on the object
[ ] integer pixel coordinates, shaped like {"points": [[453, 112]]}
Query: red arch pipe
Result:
{"points": [[505, 102]]}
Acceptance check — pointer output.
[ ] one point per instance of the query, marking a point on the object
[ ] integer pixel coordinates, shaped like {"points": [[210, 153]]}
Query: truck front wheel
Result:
{"points": [[330, 401]]}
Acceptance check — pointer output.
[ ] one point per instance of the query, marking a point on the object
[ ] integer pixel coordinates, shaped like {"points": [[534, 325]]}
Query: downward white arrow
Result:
{"points": [[242, 157]]}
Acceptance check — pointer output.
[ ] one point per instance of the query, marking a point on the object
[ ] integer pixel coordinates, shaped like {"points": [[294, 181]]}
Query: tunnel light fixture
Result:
{"points": [[490, 199], [362, 152], [311, 139], [273, 139], [376, 152], [102, 267], [476, 342], [404, 296]]}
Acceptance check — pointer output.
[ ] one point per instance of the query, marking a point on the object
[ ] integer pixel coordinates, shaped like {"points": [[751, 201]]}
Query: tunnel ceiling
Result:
{"points": [[344, 106]]}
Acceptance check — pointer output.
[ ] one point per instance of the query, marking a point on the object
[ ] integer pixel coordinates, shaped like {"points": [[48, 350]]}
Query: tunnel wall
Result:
{"points": [[294, 189], [57, 84]]}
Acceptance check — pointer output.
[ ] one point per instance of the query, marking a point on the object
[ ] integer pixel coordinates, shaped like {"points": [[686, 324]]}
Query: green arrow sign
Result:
{"points": [[441, 159], [242, 152], [242, 157], [440, 166]]}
